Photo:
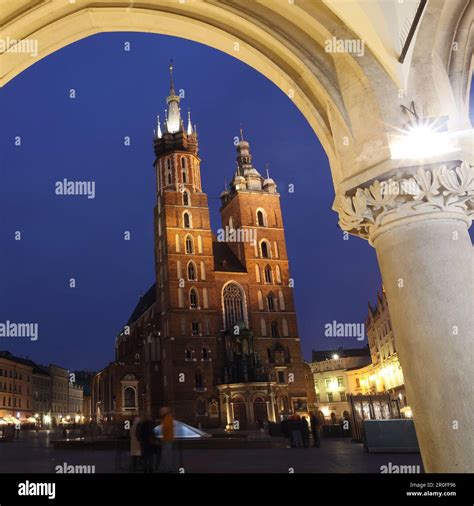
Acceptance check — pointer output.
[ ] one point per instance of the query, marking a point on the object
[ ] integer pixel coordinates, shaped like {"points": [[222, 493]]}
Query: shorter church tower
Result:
{"points": [[252, 208]]}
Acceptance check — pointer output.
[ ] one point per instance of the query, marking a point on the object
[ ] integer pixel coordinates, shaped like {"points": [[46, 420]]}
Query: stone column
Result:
{"points": [[272, 407], [419, 228], [229, 417]]}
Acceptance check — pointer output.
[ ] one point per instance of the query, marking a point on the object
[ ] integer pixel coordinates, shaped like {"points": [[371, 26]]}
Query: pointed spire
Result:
{"points": [[190, 126], [241, 133], [268, 172], [174, 115], [159, 134], [172, 92]]}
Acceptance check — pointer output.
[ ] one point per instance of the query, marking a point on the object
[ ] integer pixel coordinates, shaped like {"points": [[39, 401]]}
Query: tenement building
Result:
{"points": [[15, 388], [362, 373], [331, 371], [59, 393], [215, 337], [384, 374]]}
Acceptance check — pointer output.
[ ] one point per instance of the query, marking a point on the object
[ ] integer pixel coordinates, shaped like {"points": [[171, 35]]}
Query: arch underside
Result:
{"points": [[282, 40]]}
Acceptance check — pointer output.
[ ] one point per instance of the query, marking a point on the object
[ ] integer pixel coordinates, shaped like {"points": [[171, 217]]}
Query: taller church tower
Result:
{"points": [[185, 291]]}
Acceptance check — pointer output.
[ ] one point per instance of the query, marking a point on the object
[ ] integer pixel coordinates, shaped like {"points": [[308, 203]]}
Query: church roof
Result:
{"points": [[145, 302], [224, 258]]}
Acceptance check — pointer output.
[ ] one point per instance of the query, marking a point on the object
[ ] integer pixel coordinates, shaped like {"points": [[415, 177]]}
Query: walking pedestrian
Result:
{"points": [[286, 431], [295, 431], [147, 442], [135, 447], [167, 441], [315, 422], [304, 431]]}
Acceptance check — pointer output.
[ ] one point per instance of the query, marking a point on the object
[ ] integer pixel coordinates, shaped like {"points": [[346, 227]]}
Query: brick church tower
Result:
{"points": [[185, 283], [216, 337]]}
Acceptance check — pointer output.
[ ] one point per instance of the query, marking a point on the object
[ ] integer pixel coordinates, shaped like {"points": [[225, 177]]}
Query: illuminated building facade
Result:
{"points": [[384, 374], [59, 393], [216, 337], [16, 386], [331, 381], [361, 371]]}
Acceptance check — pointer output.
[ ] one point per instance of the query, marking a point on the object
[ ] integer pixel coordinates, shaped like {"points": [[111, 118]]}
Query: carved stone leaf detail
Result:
{"points": [[429, 186], [352, 210], [459, 181], [440, 189], [376, 197]]}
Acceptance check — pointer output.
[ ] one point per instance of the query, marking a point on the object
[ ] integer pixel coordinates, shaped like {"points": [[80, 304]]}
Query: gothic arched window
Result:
{"points": [[261, 218], [233, 300], [185, 198], [199, 382], [129, 397], [265, 248], [271, 306], [189, 245], [186, 220], [184, 170], [268, 275], [274, 329], [193, 298], [192, 271], [169, 173]]}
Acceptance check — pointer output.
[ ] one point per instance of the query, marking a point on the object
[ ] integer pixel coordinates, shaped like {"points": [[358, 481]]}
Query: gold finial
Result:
{"points": [[241, 133]]}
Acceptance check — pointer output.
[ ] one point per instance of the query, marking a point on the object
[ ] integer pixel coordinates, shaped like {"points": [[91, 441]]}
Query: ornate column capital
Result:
{"points": [[436, 193]]}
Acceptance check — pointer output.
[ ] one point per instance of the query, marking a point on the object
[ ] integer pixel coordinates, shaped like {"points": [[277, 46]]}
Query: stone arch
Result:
{"points": [[336, 93], [283, 41]]}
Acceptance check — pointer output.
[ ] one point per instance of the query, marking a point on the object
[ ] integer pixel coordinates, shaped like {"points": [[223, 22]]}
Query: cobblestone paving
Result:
{"points": [[32, 453]]}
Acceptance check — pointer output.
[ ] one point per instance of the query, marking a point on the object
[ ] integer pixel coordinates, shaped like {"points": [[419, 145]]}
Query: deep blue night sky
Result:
{"points": [[119, 94]]}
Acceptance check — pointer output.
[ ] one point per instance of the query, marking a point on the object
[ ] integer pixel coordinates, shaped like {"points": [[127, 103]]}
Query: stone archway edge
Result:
{"points": [[449, 192]]}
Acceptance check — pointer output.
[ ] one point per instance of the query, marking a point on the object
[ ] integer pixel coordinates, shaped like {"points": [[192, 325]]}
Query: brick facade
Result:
{"points": [[216, 337]]}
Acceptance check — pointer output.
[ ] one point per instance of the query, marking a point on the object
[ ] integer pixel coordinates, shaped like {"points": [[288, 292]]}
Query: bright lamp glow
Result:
{"points": [[335, 356], [421, 140], [325, 411]]}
